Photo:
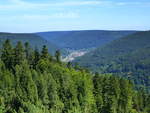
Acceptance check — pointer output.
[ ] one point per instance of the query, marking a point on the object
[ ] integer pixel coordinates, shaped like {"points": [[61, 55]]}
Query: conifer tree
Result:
{"points": [[7, 54], [44, 53], [50, 87], [69, 65], [19, 55], [27, 50], [36, 57], [58, 56], [97, 82], [26, 83], [55, 103]]}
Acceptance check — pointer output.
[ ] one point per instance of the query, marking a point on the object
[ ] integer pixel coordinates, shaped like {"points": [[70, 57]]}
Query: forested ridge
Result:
{"points": [[35, 40], [33, 81], [127, 57], [83, 39]]}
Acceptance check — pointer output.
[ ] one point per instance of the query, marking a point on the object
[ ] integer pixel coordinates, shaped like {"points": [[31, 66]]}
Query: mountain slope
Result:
{"points": [[49, 86], [83, 39], [128, 56], [35, 40]]}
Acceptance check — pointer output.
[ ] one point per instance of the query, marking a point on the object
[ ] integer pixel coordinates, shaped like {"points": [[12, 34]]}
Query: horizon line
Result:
{"points": [[75, 31]]}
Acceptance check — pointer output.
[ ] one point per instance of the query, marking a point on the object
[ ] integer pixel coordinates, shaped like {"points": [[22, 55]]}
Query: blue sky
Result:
{"points": [[59, 15]]}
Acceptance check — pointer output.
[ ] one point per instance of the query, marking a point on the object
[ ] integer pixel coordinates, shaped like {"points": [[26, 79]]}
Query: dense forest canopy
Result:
{"points": [[33, 81], [127, 57], [83, 39]]}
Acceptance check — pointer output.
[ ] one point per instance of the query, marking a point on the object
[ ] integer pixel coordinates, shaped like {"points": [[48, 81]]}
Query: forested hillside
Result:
{"points": [[83, 39], [37, 82], [35, 40], [128, 57]]}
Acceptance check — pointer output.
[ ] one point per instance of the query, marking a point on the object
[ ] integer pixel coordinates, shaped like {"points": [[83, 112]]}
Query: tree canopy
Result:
{"points": [[41, 83]]}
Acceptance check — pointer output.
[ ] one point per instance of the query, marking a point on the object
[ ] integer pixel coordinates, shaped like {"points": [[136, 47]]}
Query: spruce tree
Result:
{"points": [[27, 50], [7, 54], [58, 56], [44, 53], [19, 54], [35, 58], [69, 65]]}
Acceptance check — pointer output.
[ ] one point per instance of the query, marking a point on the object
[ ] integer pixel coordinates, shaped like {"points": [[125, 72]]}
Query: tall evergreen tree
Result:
{"points": [[19, 54], [26, 84], [36, 58], [69, 65], [44, 53], [27, 50], [58, 56], [7, 54]]}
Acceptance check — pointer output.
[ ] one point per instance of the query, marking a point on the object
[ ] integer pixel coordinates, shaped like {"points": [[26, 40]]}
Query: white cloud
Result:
{"points": [[132, 4], [16, 4], [40, 17], [21, 4], [61, 15], [129, 3]]}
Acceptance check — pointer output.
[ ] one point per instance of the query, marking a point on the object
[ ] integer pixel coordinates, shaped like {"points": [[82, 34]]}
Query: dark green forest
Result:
{"points": [[33, 81], [35, 41], [83, 39], [127, 57]]}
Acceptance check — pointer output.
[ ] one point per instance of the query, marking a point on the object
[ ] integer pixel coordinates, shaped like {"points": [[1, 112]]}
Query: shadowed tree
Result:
{"points": [[7, 54], [58, 56], [44, 53], [19, 55], [27, 50]]}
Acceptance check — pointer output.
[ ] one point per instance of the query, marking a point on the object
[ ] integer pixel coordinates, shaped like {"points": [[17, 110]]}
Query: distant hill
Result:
{"points": [[83, 39], [128, 56], [35, 40]]}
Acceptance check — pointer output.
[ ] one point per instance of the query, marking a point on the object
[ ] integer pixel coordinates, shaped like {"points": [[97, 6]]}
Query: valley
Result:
{"points": [[104, 69], [73, 54], [127, 57]]}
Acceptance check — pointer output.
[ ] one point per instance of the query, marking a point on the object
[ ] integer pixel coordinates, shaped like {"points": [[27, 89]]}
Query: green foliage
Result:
{"points": [[58, 56], [7, 54], [44, 52], [19, 54], [47, 86], [127, 57]]}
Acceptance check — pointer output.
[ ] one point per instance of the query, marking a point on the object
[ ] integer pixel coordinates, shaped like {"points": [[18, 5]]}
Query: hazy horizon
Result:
{"points": [[73, 30]]}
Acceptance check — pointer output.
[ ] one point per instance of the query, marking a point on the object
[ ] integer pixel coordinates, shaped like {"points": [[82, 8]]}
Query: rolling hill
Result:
{"points": [[128, 57], [87, 39], [35, 40]]}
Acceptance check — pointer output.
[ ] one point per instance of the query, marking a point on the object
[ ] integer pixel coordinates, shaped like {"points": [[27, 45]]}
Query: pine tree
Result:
{"points": [[55, 104], [58, 56], [35, 58], [42, 90], [19, 55], [50, 87], [27, 50], [97, 82], [7, 54], [25, 86], [44, 53], [69, 65]]}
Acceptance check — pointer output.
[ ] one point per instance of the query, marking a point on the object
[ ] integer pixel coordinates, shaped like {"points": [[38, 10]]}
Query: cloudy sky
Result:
{"points": [[56, 15]]}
